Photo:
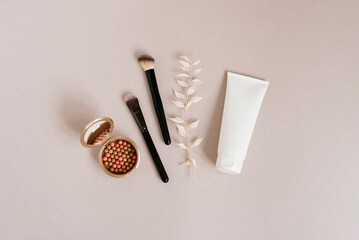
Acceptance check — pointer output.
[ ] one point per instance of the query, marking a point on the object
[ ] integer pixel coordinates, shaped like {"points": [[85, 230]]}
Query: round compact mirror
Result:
{"points": [[97, 132]]}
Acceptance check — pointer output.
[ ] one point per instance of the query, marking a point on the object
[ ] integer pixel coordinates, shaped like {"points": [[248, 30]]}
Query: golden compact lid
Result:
{"points": [[97, 132]]}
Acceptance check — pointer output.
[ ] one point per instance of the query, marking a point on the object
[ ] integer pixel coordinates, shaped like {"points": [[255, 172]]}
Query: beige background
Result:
{"points": [[64, 63]]}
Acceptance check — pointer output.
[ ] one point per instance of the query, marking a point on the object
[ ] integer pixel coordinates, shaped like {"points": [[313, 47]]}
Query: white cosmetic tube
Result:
{"points": [[244, 96]]}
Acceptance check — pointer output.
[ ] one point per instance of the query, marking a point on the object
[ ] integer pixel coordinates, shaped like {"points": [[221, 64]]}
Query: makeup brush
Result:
{"points": [[134, 106], [147, 63]]}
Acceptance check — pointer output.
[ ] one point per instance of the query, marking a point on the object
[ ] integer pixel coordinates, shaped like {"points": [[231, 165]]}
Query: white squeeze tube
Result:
{"points": [[244, 96]]}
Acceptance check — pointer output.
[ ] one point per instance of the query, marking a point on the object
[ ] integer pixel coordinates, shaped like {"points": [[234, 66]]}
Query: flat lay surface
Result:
{"points": [[65, 63]]}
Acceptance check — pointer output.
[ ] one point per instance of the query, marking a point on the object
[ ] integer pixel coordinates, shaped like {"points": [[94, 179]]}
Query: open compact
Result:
{"points": [[118, 156]]}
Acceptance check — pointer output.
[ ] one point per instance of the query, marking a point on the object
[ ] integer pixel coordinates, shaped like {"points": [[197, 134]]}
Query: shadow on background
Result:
{"points": [[76, 111], [210, 142]]}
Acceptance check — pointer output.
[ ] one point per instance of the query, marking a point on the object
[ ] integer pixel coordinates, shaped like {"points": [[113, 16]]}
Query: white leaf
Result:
{"points": [[188, 105], [177, 120], [186, 163], [196, 81], [178, 104], [181, 145], [197, 142], [191, 90], [182, 75], [193, 125], [182, 83], [185, 58], [184, 63], [179, 95], [195, 99], [181, 130], [197, 70], [186, 69], [189, 163], [196, 62]]}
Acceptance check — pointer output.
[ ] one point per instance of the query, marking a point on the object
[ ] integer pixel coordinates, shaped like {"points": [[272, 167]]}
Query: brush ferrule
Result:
{"points": [[140, 120], [150, 74]]}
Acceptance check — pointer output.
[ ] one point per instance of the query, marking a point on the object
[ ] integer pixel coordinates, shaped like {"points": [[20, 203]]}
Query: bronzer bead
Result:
{"points": [[121, 156]]}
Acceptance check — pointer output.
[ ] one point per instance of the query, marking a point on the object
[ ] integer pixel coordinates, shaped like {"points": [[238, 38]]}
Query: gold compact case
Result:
{"points": [[118, 156]]}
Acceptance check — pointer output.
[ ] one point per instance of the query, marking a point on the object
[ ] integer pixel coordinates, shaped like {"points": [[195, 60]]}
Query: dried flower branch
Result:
{"points": [[189, 84]]}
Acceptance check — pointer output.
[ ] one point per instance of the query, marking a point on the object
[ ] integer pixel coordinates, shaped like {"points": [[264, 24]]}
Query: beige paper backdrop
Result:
{"points": [[64, 63]]}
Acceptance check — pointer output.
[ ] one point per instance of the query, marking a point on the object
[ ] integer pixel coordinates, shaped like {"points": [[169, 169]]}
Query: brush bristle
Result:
{"points": [[132, 101], [147, 62]]}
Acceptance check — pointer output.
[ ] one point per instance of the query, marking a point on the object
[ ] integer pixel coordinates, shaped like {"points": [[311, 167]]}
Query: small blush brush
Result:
{"points": [[147, 63], [134, 106]]}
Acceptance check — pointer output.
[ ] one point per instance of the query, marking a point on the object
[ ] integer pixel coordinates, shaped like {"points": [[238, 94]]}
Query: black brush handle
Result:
{"points": [[156, 158], [150, 74]]}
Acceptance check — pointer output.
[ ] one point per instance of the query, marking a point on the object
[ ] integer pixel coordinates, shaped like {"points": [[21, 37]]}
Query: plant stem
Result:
{"points": [[189, 154]]}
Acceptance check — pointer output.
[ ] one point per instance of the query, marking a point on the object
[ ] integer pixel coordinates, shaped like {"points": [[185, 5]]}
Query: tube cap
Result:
{"points": [[229, 163]]}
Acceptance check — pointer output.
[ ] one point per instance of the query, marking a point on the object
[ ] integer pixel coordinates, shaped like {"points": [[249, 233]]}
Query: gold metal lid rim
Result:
{"points": [[86, 128]]}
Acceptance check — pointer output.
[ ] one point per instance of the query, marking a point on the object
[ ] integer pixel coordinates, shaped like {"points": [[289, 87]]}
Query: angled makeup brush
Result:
{"points": [[148, 63], [134, 106]]}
